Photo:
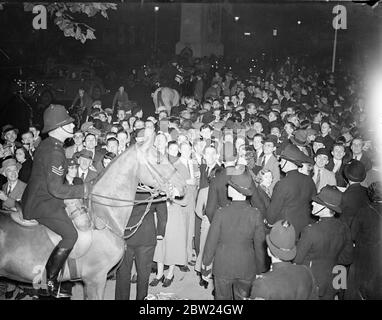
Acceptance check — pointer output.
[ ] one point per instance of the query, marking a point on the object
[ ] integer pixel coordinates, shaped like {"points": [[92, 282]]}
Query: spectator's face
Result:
{"points": [[252, 109], [139, 124], [106, 162], [90, 142], [102, 117], [81, 92], [272, 117], [78, 138], [241, 95], [121, 89], [226, 99], [20, 155], [290, 110], [10, 136], [206, 133], [72, 171], [321, 160], [258, 127], [234, 100], [185, 151], [27, 138], [276, 132], [325, 128], [338, 152], [122, 138], [121, 115], [11, 173], [34, 131], [215, 104], [317, 145], [84, 163], [162, 115], [112, 146], [295, 121], [125, 125], [114, 129], [257, 143], [318, 117], [173, 150], [357, 146], [269, 148], [139, 114]]}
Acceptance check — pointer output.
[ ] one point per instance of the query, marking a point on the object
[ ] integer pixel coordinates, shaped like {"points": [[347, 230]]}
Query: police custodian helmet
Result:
{"points": [[56, 116]]}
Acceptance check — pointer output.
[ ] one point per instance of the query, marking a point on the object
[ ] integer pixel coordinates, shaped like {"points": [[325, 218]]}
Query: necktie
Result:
{"points": [[83, 176], [318, 178], [263, 162], [9, 190]]}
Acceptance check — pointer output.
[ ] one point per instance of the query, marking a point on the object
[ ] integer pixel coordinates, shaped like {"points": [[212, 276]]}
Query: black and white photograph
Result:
{"points": [[191, 150]]}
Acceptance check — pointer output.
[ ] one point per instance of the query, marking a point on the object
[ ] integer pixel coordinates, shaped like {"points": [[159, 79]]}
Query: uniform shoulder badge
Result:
{"points": [[58, 170]]}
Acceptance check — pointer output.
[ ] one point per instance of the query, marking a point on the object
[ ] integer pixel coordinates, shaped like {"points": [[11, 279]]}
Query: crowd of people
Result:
{"points": [[283, 185]]}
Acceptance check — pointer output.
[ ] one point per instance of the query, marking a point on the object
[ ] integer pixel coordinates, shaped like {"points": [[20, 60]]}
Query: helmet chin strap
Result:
{"points": [[67, 131]]}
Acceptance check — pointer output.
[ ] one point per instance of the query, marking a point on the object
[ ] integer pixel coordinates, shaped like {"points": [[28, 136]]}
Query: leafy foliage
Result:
{"points": [[61, 14]]}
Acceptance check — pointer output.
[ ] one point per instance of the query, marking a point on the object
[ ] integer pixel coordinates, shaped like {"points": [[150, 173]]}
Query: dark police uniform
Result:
{"points": [[285, 281], [236, 245], [43, 198], [322, 246], [291, 200]]}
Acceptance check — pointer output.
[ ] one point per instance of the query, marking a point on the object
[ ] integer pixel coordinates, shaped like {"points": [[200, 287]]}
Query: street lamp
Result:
{"points": [[298, 22], [156, 9], [237, 19]]}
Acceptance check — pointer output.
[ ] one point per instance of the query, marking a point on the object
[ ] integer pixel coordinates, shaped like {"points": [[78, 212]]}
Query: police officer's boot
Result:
{"points": [[53, 267]]}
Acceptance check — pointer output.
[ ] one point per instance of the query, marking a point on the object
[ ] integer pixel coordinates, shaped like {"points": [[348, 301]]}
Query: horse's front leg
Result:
{"points": [[94, 289]]}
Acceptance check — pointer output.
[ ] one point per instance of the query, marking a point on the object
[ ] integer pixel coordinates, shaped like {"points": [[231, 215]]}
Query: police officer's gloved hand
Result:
{"points": [[206, 272]]}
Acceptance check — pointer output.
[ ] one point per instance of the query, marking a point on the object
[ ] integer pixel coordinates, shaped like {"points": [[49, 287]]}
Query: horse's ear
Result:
{"points": [[149, 139]]}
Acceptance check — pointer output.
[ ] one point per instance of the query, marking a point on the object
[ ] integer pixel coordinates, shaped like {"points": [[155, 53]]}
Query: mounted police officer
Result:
{"points": [[44, 196]]}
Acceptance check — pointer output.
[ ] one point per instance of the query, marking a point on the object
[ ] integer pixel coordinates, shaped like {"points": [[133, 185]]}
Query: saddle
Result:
{"points": [[85, 236]]}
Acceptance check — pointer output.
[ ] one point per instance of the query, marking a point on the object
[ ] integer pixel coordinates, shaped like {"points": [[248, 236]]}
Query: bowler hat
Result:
{"points": [[56, 116], [84, 153], [293, 154], [7, 128], [330, 197], [355, 171], [271, 138], [300, 138], [9, 163], [241, 180], [282, 240]]}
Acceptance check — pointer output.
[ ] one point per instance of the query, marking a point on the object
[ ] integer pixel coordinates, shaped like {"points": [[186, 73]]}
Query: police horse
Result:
{"points": [[165, 98], [25, 245]]}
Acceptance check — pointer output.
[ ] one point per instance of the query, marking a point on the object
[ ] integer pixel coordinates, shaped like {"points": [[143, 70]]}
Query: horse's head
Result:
{"points": [[155, 170]]}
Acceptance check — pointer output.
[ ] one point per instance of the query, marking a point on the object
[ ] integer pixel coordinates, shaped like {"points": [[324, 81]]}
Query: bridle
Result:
{"points": [[154, 193]]}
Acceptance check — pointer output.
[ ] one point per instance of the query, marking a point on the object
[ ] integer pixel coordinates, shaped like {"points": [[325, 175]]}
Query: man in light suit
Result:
{"points": [[322, 176], [13, 189], [337, 164], [85, 169], [358, 153], [269, 161], [11, 192]]}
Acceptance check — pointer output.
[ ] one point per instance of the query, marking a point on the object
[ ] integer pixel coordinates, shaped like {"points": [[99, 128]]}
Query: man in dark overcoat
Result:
{"points": [[141, 247], [365, 274], [355, 196], [236, 241], [292, 195]]}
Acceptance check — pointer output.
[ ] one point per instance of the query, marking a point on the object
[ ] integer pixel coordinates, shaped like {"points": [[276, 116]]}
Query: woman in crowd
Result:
{"points": [[23, 157]]}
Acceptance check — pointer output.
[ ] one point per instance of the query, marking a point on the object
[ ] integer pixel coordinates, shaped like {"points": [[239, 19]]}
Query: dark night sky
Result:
{"points": [[135, 23]]}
